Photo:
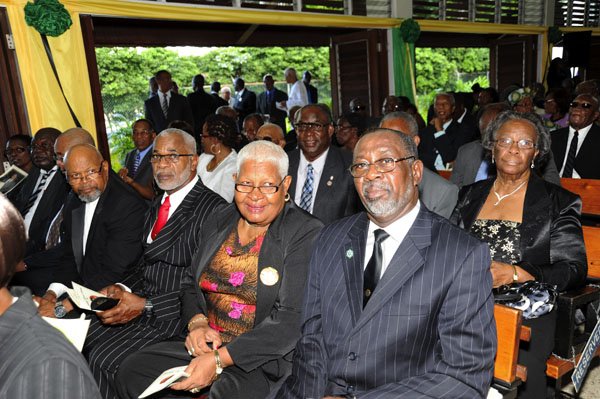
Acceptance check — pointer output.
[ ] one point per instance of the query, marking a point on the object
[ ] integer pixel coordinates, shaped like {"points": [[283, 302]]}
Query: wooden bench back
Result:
{"points": [[588, 190], [591, 236], [508, 326]]}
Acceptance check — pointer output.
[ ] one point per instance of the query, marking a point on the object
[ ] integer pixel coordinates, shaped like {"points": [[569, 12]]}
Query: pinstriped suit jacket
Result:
{"points": [[427, 331], [164, 261]]}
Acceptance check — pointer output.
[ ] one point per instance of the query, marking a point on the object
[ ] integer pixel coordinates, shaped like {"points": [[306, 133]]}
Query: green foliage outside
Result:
{"points": [[452, 69], [124, 74]]}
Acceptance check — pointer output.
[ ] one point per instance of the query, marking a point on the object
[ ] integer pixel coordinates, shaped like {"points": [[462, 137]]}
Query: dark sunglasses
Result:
{"points": [[576, 104]]}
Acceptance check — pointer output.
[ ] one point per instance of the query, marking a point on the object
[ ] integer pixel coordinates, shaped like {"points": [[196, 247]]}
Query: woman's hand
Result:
{"points": [[198, 339], [502, 274], [202, 371]]}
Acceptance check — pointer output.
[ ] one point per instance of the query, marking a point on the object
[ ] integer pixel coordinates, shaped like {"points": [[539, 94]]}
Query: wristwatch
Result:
{"points": [[59, 310], [148, 307]]}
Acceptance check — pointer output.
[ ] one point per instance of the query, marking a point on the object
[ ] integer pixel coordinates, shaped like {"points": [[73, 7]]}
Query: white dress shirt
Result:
{"points": [[90, 208], [220, 180], [31, 212], [175, 199], [439, 162], [397, 231], [582, 133], [318, 166], [162, 95], [297, 95]]}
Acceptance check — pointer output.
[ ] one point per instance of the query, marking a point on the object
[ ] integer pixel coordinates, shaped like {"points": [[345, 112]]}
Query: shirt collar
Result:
{"points": [[399, 227], [178, 196], [318, 164], [582, 131], [144, 152]]}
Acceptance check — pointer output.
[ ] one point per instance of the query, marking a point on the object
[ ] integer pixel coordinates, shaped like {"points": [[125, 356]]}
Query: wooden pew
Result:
{"points": [[508, 374], [588, 190]]}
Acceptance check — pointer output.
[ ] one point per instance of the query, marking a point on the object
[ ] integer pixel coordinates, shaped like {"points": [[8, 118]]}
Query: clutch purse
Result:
{"points": [[533, 298]]}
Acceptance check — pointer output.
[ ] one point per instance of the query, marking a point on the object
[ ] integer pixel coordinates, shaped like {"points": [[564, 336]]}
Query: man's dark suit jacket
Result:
{"points": [[587, 162], [312, 92], [52, 200], [113, 246], [277, 116], [219, 101], [447, 145], [552, 248], [469, 158], [336, 196], [245, 106], [143, 174], [179, 110], [427, 331], [202, 105]]}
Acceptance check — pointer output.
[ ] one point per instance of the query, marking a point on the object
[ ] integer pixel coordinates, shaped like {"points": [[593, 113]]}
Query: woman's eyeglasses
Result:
{"points": [[523, 144], [247, 188]]}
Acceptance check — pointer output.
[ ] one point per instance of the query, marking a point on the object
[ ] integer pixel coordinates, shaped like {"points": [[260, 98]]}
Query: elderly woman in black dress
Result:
{"points": [[532, 227], [243, 294]]}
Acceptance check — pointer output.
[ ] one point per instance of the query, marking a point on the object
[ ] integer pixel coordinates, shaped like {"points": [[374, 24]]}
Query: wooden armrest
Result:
{"points": [[525, 334]]}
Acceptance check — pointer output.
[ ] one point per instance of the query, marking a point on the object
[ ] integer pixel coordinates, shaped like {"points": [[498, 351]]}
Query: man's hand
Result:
{"points": [[437, 123], [21, 267], [46, 305], [123, 175], [129, 307], [202, 371]]}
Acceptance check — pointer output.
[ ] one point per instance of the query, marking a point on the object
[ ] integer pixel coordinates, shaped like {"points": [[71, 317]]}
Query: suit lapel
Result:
{"points": [[330, 176], [404, 264], [293, 171], [353, 257], [536, 211], [78, 216], [98, 213]]}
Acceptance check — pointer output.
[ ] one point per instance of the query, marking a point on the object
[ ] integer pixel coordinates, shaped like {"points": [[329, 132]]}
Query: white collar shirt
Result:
{"points": [[397, 231], [166, 95], [318, 166], [90, 208], [51, 173], [175, 199]]}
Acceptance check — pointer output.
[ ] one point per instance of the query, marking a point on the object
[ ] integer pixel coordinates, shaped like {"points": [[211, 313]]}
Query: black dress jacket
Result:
{"points": [[552, 247], [286, 249]]}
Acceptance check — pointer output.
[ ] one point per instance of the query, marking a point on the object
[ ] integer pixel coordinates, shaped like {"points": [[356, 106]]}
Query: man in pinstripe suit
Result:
{"points": [[148, 309], [417, 320]]}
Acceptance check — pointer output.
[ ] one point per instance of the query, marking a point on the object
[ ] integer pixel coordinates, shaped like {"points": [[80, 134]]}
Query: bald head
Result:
{"points": [[226, 110], [86, 171], [271, 132], [402, 122], [68, 139]]}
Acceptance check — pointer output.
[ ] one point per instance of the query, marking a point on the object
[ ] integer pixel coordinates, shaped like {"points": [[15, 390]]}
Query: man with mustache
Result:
{"points": [[148, 309], [321, 182], [398, 301]]}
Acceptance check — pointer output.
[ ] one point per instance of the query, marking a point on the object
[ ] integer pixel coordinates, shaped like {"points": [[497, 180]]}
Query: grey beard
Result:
{"points": [[90, 197]]}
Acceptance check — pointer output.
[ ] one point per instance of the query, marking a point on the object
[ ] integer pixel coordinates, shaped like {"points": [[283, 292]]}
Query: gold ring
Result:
{"points": [[195, 390]]}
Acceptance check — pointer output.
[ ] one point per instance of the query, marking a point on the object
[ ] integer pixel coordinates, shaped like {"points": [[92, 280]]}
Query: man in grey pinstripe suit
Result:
{"points": [[398, 302], [148, 309]]}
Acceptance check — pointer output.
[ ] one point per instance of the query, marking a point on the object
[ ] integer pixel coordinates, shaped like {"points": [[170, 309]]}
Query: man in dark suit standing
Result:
{"points": [[167, 106], [215, 89], [311, 91], [267, 100], [201, 103], [244, 102], [102, 224], [374, 323], [137, 172], [44, 190], [575, 148], [321, 182], [443, 137], [148, 309]]}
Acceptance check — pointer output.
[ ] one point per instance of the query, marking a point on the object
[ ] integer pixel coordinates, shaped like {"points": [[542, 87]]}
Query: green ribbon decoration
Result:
{"points": [[48, 17], [410, 30]]}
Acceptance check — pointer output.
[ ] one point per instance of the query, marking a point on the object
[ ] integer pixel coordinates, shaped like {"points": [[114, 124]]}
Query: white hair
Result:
{"points": [[264, 151], [188, 140]]}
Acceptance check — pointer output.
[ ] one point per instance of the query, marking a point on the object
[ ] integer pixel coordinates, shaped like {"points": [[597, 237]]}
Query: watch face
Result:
{"points": [[60, 311]]}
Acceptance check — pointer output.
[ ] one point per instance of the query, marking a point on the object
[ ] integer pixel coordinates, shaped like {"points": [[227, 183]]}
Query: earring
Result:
{"points": [[532, 164], [214, 152], [287, 197], [493, 160]]}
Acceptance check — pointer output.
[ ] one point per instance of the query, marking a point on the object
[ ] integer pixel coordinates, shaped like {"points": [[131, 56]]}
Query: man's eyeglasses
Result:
{"points": [[577, 104], [312, 126], [15, 151], [247, 188], [170, 158], [523, 144], [383, 165], [88, 174]]}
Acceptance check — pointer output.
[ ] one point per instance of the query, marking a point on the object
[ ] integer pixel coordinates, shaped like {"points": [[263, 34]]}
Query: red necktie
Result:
{"points": [[163, 216]]}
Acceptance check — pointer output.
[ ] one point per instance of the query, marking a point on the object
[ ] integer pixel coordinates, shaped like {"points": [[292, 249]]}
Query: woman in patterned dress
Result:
{"points": [[243, 293], [533, 227]]}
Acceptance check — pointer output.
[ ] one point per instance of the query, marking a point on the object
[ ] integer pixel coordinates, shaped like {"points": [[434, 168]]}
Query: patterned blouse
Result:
{"points": [[229, 285], [503, 238]]}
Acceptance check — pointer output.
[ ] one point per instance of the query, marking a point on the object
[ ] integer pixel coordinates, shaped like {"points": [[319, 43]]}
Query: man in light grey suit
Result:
{"points": [[436, 193], [398, 301]]}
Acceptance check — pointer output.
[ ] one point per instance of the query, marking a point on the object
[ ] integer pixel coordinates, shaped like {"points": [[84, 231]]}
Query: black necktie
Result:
{"points": [[373, 270], [570, 164]]}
